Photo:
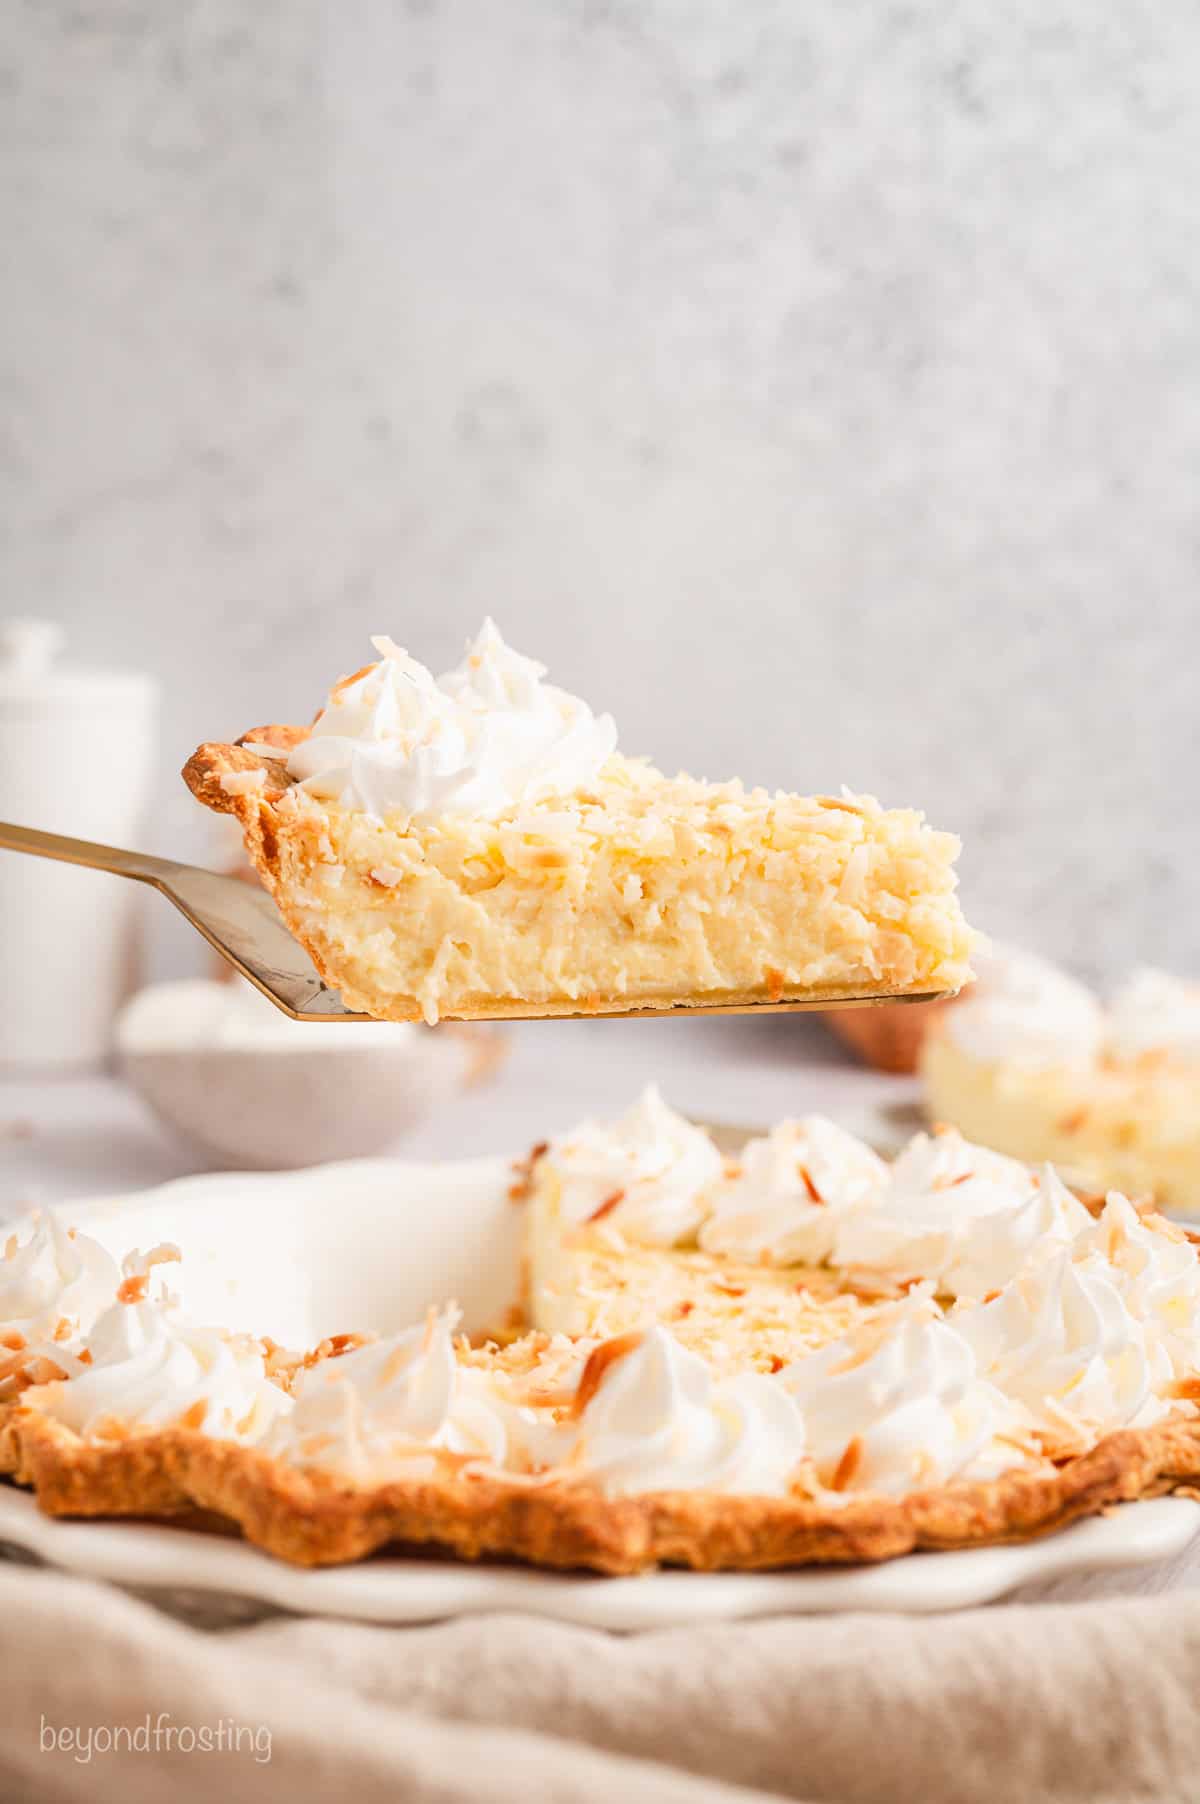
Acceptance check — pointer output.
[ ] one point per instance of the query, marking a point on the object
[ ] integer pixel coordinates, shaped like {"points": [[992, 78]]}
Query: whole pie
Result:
{"points": [[1031, 1062], [477, 846], [799, 1355]]}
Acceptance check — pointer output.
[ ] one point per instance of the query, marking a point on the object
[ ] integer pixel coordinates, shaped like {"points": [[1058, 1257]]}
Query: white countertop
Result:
{"points": [[89, 1136]]}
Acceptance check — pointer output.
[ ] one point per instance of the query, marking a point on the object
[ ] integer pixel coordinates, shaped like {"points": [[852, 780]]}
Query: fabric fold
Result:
{"points": [[1079, 1704]]}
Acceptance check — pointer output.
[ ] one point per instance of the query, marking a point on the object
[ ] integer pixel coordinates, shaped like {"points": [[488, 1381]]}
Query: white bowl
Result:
{"points": [[246, 1086]]}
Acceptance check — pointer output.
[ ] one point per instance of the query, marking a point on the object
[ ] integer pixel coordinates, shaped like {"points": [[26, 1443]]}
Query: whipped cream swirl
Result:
{"points": [[658, 1420], [1026, 1010], [1061, 1341], [488, 735], [1153, 1013], [1157, 1272], [52, 1288], [383, 1410], [147, 1365], [792, 1189], [645, 1175], [898, 1403], [929, 1223], [55, 1277], [998, 1244]]}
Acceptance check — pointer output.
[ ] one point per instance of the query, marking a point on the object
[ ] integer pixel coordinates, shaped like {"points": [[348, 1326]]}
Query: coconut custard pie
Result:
{"points": [[801, 1355], [1029, 1061], [477, 846]]}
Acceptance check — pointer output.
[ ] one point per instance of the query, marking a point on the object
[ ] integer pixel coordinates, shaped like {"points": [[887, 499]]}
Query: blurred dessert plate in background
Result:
{"points": [[1032, 1063]]}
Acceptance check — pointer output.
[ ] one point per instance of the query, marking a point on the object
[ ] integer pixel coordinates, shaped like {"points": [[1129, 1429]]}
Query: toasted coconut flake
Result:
{"points": [[806, 1178], [598, 1362], [848, 1465], [243, 782], [356, 676], [334, 1345], [606, 1207], [142, 1264]]}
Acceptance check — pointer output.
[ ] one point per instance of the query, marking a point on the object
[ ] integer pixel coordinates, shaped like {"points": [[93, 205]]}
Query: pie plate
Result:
{"points": [[368, 1245]]}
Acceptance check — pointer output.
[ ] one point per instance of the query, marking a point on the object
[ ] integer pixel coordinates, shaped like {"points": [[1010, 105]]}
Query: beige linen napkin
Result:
{"points": [[1071, 1703]]}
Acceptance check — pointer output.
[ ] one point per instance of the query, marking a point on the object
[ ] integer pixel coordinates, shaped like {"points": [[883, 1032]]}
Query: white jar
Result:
{"points": [[76, 756]]}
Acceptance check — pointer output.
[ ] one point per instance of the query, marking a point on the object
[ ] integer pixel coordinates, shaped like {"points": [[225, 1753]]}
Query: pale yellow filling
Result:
{"points": [[643, 888], [591, 1282]]}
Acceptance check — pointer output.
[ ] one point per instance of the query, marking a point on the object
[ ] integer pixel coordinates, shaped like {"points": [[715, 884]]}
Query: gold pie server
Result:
{"points": [[240, 921]]}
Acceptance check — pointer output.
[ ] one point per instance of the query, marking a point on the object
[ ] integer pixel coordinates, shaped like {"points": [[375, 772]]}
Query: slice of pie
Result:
{"points": [[477, 846], [709, 1380], [1030, 1062]]}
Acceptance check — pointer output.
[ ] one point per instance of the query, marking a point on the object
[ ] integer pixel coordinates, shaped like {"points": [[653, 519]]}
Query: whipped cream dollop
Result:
{"points": [[383, 1410], [645, 1175], [658, 1420], [1024, 1009], [997, 1244], [57, 1276], [1154, 1013], [491, 733], [899, 1403], [957, 1213], [1156, 1270], [1061, 1340], [792, 1188], [52, 1288], [145, 1364]]}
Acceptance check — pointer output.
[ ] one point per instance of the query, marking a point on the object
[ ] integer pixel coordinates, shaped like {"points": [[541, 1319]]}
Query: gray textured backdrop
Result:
{"points": [[813, 385]]}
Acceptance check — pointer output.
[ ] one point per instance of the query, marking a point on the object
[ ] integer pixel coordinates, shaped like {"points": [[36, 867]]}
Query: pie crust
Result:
{"points": [[311, 1519]]}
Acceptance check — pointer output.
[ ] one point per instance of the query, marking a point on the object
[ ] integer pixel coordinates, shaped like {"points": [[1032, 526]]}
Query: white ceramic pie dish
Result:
{"points": [[368, 1245]]}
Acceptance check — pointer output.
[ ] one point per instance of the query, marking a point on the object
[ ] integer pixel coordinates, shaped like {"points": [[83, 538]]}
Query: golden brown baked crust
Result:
{"points": [[9, 1456], [280, 852], [313, 1519], [74, 1477]]}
